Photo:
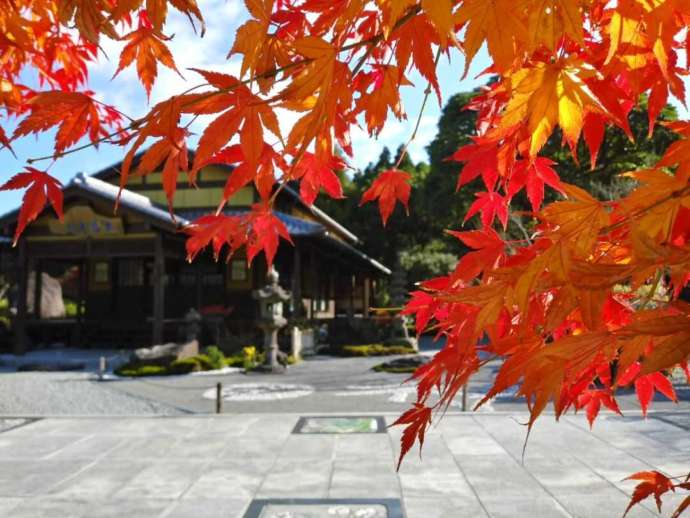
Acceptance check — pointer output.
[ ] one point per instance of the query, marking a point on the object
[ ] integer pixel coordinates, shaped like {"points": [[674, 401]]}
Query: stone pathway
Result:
{"points": [[255, 465]]}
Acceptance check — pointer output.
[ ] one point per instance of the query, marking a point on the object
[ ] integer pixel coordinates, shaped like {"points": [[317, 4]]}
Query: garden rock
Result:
{"points": [[166, 353]]}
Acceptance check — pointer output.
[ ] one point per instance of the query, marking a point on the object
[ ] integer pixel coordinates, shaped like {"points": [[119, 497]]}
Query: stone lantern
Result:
{"points": [[271, 299]]}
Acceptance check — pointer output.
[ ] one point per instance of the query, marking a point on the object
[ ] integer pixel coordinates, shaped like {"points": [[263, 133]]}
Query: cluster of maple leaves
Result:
{"points": [[587, 304]]}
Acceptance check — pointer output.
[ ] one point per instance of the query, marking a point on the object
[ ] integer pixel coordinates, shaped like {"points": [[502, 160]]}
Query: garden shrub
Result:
{"points": [[185, 366], [133, 370], [216, 358]]}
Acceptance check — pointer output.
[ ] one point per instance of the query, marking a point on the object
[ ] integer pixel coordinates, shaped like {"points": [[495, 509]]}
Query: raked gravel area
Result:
{"points": [[70, 393]]}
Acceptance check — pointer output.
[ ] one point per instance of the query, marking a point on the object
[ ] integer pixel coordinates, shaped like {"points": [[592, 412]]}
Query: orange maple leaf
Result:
{"points": [[75, 113], [389, 187], [385, 95], [146, 46], [487, 20], [547, 94]]}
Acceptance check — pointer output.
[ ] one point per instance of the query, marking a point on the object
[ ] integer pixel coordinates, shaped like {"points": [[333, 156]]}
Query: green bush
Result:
{"points": [[215, 357], [204, 362], [132, 370], [185, 366], [371, 350], [236, 360]]}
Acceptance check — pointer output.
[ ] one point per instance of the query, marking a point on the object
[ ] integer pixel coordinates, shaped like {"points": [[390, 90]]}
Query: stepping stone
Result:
{"points": [[340, 425], [325, 508]]}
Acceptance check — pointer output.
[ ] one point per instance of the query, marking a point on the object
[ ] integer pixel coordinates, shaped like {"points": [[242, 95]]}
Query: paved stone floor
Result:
{"points": [[204, 466]]}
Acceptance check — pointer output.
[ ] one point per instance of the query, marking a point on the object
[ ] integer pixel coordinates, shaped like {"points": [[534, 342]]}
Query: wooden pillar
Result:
{"points": [[313, 280], [351, 280], [78, 337], [158, 291], [298, 308], [20, 338], [366, 298]]}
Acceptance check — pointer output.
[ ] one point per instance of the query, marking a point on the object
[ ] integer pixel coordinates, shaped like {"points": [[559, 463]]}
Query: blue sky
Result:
{"points": [[223, 17]]}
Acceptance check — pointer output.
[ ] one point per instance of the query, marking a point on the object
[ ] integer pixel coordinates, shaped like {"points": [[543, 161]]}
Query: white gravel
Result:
{"points": [[69, 393]]}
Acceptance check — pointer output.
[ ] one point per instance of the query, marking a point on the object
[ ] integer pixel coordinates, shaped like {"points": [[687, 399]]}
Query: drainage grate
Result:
{"points": [[345, 424], [325, 508]]}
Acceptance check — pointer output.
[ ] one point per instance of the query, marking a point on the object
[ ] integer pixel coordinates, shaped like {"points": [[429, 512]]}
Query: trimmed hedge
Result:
{"points": [[196, 363], [212, 360]]}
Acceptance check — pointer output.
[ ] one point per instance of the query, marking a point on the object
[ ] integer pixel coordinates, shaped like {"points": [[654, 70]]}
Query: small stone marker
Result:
{"points": [[325, 508], [219, 398], [340, 425]]}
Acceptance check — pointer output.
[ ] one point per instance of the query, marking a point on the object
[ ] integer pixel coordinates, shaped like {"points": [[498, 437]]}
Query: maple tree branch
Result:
{"points": [[648, 298], [685, 191], [83, 146], [110, 106]]}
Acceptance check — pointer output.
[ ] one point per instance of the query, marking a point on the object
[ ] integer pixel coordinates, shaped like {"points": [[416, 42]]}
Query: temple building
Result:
{"points": [[105, 279]]}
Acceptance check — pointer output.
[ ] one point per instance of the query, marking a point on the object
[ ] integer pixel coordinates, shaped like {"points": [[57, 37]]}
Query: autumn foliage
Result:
{"points": [[587, 304]]}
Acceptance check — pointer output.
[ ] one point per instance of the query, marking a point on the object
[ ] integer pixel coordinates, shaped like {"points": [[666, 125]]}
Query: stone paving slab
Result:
{"points": [[216, 466]]}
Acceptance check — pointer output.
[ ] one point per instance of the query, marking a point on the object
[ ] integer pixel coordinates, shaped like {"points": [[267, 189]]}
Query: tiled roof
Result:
{"points": [[128, 199], [296, 226]]}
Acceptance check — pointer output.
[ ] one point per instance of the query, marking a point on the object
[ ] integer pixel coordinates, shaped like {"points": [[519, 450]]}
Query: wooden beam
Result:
{"points": [[20, 338], [158, 291]]}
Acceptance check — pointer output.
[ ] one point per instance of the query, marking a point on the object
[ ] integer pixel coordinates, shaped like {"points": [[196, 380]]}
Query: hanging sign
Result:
{"points": [[83, 221]]}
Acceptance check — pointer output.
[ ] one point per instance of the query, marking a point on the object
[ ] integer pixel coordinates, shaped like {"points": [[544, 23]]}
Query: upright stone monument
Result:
{"points": [[271, 299]]}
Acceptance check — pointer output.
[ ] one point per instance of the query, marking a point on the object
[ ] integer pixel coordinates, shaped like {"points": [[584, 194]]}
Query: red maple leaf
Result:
{"points": [[40, 187], [488, 248], [265, 231], [592, 400], [481, 158], [218, 230], [389, 186], [646, 385], [533, 175], [653, 483], [490, 204], [316, 171], [417, 419]]}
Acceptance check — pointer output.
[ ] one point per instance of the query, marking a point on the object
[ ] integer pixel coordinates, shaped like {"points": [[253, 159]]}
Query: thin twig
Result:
{"points": [[427, 93]]}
